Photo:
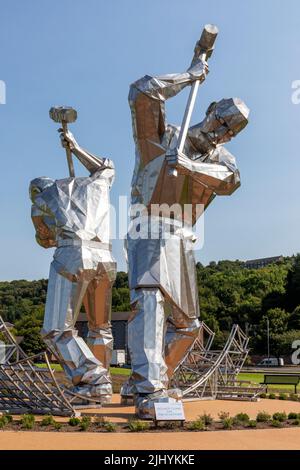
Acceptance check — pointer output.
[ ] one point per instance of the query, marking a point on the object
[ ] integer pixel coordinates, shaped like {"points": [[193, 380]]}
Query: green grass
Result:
{"points": [[120, 371], [113, 370], [259, 378]]}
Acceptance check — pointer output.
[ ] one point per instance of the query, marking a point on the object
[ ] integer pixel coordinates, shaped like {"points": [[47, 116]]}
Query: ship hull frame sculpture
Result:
{"points": [[177, 168], [72, 215]]}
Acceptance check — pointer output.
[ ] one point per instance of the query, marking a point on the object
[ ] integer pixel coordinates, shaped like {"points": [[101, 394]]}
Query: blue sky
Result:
{"points": [[85, 53]]}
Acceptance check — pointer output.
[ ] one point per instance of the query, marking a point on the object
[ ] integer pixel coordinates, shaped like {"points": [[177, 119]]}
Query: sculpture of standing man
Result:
{"points": [[162, 277], [72, 215]]}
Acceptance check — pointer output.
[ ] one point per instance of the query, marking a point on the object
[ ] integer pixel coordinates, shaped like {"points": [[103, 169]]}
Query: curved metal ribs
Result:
{"points": [[25, 388], [206, 373]]}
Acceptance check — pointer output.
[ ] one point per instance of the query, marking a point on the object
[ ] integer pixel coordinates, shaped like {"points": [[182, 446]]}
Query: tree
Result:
{"points": [[293, 285], [294, 320], [29, 327]]}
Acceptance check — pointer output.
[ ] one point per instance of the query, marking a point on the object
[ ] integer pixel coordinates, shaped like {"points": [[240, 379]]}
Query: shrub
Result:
{"points": [[263, 395], [85, 423], [280, 416], [252, 423], [197, 425], [293, 415], [74, 421], [110, 427], [263, 417], [3, 421], [8, 417], [48, 421], [296, 422], [135, 425], [282, 396], [206, 418], [293, 396], [272, 396], [57, 426], [27, 421], [99, 421], [241, 418], [276, 424], [223, 415], [227, 423]]}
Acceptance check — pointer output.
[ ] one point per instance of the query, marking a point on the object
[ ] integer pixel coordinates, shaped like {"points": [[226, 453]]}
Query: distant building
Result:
{"points": [[119, 329], [262, 262]]}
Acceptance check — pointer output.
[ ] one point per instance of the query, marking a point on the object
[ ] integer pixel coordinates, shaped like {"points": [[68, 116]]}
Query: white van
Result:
{"points": [[271, 362]]}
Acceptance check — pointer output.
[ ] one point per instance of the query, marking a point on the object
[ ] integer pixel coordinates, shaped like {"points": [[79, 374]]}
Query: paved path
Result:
{"points": [[259, 439], [288, 438]]}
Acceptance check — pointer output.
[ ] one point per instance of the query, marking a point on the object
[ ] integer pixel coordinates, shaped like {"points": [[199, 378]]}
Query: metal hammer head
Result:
{"points": [[207, 40], [63, 114]]}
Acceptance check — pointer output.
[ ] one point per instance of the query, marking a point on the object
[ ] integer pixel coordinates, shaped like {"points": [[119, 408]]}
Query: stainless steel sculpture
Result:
{"points": [[72, 215], [176, 170]]}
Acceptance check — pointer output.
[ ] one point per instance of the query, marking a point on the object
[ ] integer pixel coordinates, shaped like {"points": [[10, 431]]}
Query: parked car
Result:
{"points": [[271, 362]]}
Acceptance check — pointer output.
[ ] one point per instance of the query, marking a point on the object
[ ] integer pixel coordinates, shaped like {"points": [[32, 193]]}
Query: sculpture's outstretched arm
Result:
{"points": [[166, 86], [219, 172], [147, 98], [88, 160]]}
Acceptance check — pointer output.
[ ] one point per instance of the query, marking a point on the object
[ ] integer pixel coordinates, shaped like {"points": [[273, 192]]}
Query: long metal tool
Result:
{"points": [[203, 50]]}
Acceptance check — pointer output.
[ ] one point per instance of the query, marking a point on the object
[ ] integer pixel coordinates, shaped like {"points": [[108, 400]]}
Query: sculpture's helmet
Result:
{"points": [[38, 185], [225, 119]]}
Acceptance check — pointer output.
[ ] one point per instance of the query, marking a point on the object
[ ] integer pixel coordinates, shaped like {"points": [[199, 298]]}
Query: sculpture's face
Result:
{"points": [[225, 119]]}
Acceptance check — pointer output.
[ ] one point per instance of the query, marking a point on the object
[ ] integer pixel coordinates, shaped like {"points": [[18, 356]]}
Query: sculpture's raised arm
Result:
{"points": [[91, 162]]}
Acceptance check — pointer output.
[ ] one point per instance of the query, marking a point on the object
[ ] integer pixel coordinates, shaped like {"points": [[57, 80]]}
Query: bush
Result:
{"points": [[272, 396], [223, 415], [27, 421], [206, 418], [263, 417], [48, 421], [85, 423], [227, 423], [57, 426], [99, 421], [293, 397], [293, 415], [296, 422], [74, 421], [241, 418], [280, 416], [252, 423], [263, 395], [282, 396], [197, 425], [135, 425], [276, 424], [3, 421], [110, 427]]}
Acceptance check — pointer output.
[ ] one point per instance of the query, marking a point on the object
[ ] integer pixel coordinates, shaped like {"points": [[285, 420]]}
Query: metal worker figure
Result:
{"points": [[72, 215], [174, 167]]}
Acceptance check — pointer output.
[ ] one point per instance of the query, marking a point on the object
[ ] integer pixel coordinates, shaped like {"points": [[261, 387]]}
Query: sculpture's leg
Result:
{"points": [[97, 303], [146, 331], [64, 299], [181, 334]]}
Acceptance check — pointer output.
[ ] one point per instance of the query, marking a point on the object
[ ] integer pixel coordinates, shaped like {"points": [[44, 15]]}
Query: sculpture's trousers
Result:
{"points": [[82, 363], [159, 336]]}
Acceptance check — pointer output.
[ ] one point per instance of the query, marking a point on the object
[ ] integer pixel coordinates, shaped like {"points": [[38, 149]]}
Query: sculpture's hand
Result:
{"points": [[198, 70], [67, 139], [179, 161]]}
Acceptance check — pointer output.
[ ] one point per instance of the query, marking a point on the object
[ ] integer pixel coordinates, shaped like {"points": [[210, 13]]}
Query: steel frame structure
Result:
{"points": [[212, 374]]}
